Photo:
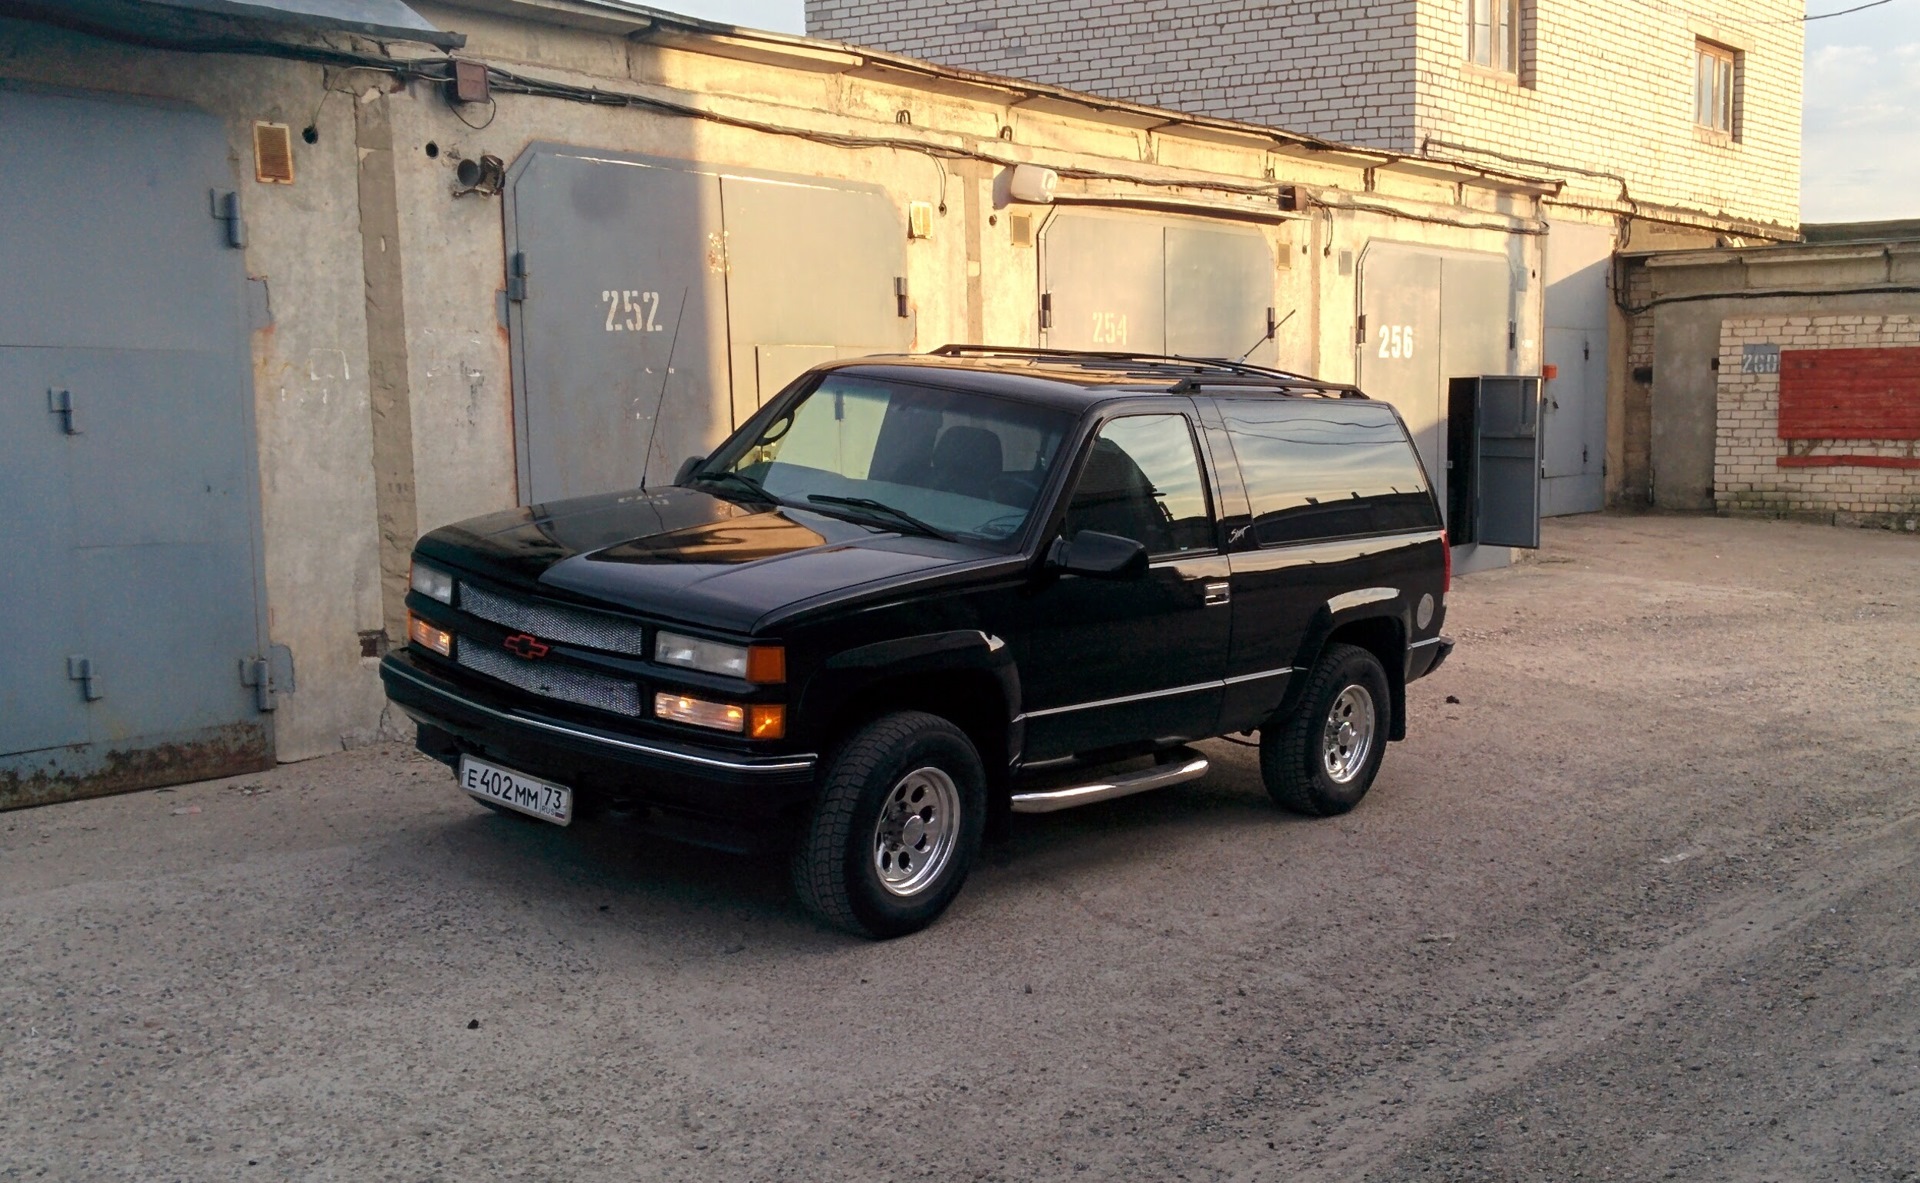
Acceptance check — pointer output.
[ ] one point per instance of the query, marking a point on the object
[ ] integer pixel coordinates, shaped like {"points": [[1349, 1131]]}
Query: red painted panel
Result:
{"points": [[1847, 461], [1850, 394]]}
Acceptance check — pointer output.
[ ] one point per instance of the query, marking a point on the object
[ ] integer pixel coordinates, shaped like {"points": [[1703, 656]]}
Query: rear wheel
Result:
{"points": [[895, 830], [1322, 759]]}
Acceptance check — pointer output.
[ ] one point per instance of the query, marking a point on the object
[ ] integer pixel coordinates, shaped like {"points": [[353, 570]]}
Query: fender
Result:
{"points": [[852, 674], [1384, 604]]}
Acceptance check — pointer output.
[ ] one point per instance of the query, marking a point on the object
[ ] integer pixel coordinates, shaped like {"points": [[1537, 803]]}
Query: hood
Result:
{"points": [[685, 555]]}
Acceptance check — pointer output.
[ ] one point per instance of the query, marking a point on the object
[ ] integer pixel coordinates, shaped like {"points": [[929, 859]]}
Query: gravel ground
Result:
{"points": [[1636, 900]]}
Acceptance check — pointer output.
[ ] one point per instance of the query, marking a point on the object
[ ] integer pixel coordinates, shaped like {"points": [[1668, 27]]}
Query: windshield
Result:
{"points": [[913, 458]]}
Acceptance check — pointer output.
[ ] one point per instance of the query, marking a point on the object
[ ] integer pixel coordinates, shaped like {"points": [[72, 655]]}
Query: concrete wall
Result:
{"points": [[384, 386]]}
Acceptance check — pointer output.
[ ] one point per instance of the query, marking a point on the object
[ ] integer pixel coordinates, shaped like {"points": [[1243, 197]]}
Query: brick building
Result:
{"points": [[1785, 379], [1660, 125]]}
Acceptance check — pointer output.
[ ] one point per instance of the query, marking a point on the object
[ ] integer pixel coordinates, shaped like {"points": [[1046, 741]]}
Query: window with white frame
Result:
{"points": [[1493, 34], [1714, 77]]}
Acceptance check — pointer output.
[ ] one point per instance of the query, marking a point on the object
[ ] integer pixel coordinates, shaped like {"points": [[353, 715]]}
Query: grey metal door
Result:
{"points": [[1399, 340], [617, 318], [1103, 283], [1427, 317], [130, 590], [814, 272], [1573, 414], [653, 305], [1127, 283], [1219, 292], [1506, 494]]}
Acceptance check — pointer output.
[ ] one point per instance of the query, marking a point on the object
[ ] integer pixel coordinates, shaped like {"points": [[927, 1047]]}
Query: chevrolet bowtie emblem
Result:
{"points": [[527, 646]]}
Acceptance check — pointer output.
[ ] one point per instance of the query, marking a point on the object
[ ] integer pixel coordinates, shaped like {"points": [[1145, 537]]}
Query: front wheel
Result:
{"points": [[1322, 759], [894, 833]]}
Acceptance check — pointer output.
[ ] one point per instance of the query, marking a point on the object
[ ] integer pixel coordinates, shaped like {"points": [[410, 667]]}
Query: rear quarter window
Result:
{"points": [[1327, 469]]}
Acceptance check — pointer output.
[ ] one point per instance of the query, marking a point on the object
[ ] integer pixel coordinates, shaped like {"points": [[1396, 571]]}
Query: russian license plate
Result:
{"points": [[517, 791]]}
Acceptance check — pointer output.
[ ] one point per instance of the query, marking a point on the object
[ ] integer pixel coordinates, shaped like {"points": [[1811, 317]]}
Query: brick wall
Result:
{"points": [[1842, 373], [1608, 86], [1603, 85], [1341, 70]]}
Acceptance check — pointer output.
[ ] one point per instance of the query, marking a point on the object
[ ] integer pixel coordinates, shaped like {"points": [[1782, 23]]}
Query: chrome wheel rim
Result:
{"points": [[1347, 739], [914, 836]]}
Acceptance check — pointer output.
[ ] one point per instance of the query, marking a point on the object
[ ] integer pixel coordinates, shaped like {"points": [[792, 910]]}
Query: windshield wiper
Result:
{"points": [[897, 515], [746, 482]]}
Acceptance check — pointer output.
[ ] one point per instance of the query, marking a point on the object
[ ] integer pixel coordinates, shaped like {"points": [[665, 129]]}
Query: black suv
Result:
{"points": [[915, 594]]}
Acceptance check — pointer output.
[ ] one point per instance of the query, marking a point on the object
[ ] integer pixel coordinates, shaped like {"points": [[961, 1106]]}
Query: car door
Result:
{"points": [[1112, 662]]}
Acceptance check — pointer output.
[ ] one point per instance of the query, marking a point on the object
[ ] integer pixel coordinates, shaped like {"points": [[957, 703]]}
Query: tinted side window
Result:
{"points": [[1142, 481], [1327, 469]]}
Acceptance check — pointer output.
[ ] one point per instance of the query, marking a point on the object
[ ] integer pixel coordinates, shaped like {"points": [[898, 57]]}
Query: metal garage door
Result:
{"points": [[1574, 403], [653, 306], [1148, 285], [1426, 317], [129, 592]]}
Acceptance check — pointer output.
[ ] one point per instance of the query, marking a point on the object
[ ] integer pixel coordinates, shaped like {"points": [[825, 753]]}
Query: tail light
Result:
{"points": [[1446, 572]]}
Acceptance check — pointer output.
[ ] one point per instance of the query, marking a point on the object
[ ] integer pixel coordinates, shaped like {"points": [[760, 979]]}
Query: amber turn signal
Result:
{"points": [[429, 635], [767, 664], [767, 722]]}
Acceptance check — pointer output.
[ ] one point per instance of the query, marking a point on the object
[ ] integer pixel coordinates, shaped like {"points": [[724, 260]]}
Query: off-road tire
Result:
{"points": [[834, 869], [1292, 762]]}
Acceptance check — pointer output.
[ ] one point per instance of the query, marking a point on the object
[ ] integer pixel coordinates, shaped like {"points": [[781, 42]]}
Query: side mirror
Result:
{"points": [[1098, 556], [686, 469]]}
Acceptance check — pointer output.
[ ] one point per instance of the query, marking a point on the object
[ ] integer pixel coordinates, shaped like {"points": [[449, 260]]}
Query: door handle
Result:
{"points": [[1217, 593]]}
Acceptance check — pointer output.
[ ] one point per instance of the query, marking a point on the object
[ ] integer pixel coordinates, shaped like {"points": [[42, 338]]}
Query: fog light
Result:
{"points": [[697, 712], [430, 635], [767, 722]]}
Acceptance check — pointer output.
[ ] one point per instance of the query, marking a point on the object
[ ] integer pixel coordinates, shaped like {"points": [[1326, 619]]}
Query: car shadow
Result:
{"points": [[605, 870]]}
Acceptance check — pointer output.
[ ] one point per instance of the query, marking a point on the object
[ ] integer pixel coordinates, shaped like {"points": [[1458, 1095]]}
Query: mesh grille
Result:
{"points": [[549, 622], [553, 681]]}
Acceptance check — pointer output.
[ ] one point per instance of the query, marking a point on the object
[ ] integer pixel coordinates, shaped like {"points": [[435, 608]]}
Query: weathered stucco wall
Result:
{"points": [[383, 385]]}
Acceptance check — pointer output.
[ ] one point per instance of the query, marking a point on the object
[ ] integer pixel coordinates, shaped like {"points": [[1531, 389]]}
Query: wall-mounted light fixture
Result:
{"points": [[1032, 184]]}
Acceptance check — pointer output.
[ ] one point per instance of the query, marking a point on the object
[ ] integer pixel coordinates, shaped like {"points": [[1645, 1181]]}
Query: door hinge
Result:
{"points": [[517, 277], [60, 402], [269, 676], [225, 207], [80, 669], [1046, 310], [900, 295], [1360, 330], [1513, 336]]}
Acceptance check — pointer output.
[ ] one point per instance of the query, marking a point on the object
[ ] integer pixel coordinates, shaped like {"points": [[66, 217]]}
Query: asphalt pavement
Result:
{"points": [[1637, 899]]}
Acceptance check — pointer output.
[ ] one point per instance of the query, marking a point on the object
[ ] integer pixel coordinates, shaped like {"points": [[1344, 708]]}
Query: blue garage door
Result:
{"points": [[129, 589]]}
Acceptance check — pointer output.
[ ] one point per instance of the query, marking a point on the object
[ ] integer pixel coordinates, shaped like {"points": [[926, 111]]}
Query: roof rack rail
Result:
{"points": [[1194, 372], [1308, 386]]}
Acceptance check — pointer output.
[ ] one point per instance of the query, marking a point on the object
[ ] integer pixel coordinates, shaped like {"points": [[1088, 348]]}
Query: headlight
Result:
{"points": [[765, 664], [433, 582]]}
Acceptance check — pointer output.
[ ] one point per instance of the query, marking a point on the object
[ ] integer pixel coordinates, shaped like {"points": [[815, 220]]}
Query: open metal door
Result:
{"points": [[1507, 462]]}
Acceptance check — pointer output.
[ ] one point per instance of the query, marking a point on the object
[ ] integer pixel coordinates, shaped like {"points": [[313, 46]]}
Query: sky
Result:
{"points": [[1860, 144]]}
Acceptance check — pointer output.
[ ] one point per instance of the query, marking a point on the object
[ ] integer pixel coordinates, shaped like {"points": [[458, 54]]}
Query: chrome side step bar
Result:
{"points": [[1189, 765]]}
